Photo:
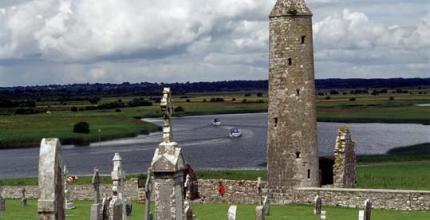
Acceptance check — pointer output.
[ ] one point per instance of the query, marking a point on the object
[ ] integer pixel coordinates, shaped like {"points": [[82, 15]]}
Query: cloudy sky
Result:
{"points": [[79, 41]]}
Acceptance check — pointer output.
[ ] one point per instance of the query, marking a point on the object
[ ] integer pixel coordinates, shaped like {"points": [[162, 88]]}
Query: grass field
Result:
{"points": [[219, 211], [27, 130]]}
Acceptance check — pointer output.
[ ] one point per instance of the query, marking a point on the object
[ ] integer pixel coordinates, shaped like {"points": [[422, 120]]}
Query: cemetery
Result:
{"points": [[297, 186]]}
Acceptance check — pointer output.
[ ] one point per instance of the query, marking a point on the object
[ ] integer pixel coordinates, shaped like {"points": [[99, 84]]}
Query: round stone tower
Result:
{"points": [[291, 141]]}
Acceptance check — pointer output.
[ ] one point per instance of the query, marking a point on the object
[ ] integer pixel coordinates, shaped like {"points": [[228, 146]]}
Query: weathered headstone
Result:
{"points": [[67, 191], [259, 190], [259, 213], [96, 212], [104, 212], [2, 202], [368, 210], [323, 215], [231, 215], [266, 206], [51, 179], [361, 215], [118, 177], [168, 169], [116, 207], [188, 211], [317, 204], [23, 198], [148, 192]]}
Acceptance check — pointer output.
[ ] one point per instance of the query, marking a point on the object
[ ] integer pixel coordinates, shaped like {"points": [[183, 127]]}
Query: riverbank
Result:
{"points": [[18, 131]]}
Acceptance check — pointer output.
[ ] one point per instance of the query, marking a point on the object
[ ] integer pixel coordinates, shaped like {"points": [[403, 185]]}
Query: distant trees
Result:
{"points": [[6, 103], [139, 102], [179, 109], [334, 92], [111, 105], [81, 127], [217, 99], [94, 100]]}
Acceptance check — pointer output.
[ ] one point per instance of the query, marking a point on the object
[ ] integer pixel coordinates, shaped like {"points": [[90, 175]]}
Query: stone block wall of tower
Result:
{"points": [[292, 147]]}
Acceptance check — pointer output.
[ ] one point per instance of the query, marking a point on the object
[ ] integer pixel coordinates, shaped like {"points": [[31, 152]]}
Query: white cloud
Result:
{"points": [[190, 40], [90, 29], [351, 38]]}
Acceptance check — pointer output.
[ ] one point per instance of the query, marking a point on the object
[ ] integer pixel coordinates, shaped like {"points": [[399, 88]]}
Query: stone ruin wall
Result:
{"points": [[79, 192], [345, 162], [245, 192]]}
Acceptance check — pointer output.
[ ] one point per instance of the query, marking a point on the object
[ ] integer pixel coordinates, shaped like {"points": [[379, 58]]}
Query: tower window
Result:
{"points": [[275, 120], [290, 61], [303, 39], [298, 154], [309, 174], [298, 92]]}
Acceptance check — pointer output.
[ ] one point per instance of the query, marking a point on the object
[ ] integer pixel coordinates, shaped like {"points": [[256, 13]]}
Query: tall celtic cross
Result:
{"points": [[167, 109]]}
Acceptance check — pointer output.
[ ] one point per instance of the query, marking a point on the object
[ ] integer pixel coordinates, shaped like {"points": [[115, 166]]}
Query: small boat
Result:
{"points": [[235, 132], [216, 122]]}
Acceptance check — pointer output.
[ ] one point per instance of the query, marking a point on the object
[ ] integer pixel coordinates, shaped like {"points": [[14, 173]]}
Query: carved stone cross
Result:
{"points": [[167, 109], [96, 184]]}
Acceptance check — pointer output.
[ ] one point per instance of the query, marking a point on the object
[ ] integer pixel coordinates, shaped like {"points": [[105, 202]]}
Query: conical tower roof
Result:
{"points": [[290, 8]]}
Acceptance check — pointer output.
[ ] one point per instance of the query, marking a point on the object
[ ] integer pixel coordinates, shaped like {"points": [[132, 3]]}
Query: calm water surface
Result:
{"points": [[205, 146]]}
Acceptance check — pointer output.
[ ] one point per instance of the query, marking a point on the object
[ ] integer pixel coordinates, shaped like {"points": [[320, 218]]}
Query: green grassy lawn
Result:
{"points": [[27, 130], [395, 175], [219, 211], [403, 109]]}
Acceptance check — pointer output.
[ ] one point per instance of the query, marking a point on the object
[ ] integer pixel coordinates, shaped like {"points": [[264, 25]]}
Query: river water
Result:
{"points": [[205, 146]]}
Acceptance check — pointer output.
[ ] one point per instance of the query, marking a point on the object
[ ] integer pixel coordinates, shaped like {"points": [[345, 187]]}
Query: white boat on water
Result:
{"points": [[216, 122], [235, 133]]}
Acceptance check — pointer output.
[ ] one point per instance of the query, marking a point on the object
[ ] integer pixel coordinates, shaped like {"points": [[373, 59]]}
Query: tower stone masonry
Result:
{"points": [[291, 141]]}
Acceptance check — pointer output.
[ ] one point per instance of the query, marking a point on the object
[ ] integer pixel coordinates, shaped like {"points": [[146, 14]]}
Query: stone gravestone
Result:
{"points": [[67, 191], [317, 203], [188, 209], [361, 215], [116, 206], [259, 190], [168, 167], [96, 212], [266, 206], [50, 205], [104, 212], [23, 198], [148, 192], [323, 215], [231, 215], [118, 177], [259, 213], [2, 202], [368, 210]]}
